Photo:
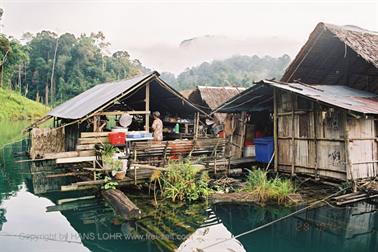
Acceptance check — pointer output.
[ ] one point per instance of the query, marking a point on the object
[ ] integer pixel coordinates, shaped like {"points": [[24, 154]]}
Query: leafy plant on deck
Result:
{"points": [[108, 150], [109, 184]]}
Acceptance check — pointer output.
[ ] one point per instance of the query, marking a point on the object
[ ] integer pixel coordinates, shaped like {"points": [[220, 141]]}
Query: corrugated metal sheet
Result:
{"points": [[255, 98], [336, 95], [95, 97]]}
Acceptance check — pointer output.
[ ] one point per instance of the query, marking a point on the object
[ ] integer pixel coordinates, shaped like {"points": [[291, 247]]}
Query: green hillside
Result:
{"points": [[16, 107]]}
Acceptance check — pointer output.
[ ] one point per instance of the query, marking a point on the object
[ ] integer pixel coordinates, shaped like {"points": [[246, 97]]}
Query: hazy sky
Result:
{"points": [[152, 30]]}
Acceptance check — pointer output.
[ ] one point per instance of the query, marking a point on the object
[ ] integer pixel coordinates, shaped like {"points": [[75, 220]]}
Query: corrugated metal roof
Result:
{"points": [[255, 98], [336, 95], [95, 97]]}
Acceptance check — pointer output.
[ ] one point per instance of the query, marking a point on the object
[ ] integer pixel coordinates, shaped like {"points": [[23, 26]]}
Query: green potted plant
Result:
{"points": [[117, 171], [111, 161], [107, 153]]}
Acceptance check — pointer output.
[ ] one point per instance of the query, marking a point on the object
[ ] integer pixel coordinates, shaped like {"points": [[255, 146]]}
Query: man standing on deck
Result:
{"points": [[157, 127]]}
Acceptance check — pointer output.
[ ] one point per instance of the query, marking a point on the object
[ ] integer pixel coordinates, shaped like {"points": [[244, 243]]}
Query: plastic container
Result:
{"points": [[264, 149], [135, 134], [148, 135], [248, 143], [116, 138], [249, 151], [176, 129], [118, 129]]}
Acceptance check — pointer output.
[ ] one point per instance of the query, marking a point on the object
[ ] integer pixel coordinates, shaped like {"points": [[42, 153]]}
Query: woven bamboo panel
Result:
{"points": [[46, 141]]}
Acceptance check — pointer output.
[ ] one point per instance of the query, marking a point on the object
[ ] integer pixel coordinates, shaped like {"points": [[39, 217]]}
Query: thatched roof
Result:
{"points": [[363, 42], [337, 55], [209, 98]]}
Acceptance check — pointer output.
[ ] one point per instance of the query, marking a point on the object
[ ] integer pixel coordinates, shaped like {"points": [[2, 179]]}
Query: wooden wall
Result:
{"points": [[46, 141], [234, 128], [312, 140], [363, 147], [72, 133]]}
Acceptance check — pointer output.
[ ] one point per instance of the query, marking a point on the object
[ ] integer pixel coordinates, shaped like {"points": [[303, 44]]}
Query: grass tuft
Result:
{"points": [[266, 189], [184, 182]]}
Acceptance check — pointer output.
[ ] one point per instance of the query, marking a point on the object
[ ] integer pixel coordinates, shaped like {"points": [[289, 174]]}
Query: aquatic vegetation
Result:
{"points": [[109, 184], [183, 181], [155, 179], [266, 189]]}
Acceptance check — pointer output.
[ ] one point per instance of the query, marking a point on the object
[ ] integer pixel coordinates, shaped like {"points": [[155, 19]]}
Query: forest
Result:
{"points": [[239, 70], [51, 68]]}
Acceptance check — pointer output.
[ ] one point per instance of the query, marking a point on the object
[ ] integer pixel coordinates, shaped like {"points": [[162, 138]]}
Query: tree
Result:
{"points": [[63, 66], [235, 71]]}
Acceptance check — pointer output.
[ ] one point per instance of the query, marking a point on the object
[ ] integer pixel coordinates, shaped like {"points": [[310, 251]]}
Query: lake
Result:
{"points": [[32, 220]]}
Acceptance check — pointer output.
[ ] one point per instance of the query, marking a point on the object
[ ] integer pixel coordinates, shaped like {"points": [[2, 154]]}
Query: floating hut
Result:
{"points": [[322, 117], [86, 121]]}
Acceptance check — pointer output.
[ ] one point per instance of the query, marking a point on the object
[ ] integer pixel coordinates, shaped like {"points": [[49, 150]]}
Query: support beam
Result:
{"points": [[75, 160], [112, 113], [315, 116], [348, 163], [293, 142], [147, 101], [275, 130]]}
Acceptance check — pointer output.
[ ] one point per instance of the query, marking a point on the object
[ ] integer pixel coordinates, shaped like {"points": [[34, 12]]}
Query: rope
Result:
{"points": [[275, 221]]}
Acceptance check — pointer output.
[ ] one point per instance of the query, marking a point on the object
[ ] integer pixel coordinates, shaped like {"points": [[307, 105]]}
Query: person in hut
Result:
{"points": [[157, 127]]}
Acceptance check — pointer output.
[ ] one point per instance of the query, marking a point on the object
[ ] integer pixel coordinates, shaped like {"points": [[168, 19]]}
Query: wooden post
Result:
{"points": [[215, 163], [94, 170], [147, 101], [95, 124], [196, 125], [293, 145], [135, 173], [315, 114], [275, 130], [242, 136], [348, 163]]}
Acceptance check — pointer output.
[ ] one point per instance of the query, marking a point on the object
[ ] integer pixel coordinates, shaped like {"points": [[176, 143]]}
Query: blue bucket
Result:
{"points": [[264, 149]]}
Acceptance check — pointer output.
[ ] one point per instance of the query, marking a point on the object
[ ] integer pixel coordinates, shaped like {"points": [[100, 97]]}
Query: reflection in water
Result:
{"points": [[322, 229], [32, 220], [212, 236], [2, 217]]}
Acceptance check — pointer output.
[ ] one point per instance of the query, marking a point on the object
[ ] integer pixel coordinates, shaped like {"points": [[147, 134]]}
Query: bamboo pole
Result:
{"points": [[147, 108], [315, 110], [196, 125], [275, 130], [348, 163], [242, 136], [135, 168], [293, 145]]}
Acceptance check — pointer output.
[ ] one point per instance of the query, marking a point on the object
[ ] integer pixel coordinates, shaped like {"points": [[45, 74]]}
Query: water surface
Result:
{"points": [[32, 220]]}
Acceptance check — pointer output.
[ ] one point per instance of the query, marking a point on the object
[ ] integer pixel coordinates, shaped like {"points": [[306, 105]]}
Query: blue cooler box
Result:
{"points": [[264, 149]]}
